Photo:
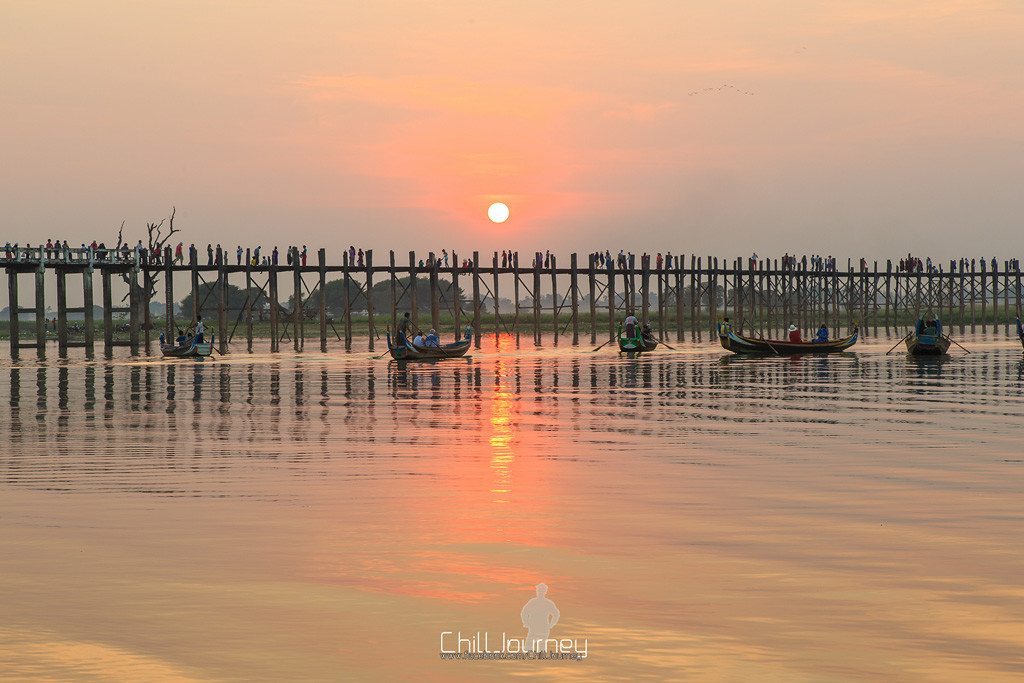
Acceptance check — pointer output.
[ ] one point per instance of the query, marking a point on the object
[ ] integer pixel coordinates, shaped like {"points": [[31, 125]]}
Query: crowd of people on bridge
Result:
{"points": [[60, 251]]}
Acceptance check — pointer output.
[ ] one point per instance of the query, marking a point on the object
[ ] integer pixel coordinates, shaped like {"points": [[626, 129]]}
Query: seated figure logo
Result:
{"points": [[539, 616]]}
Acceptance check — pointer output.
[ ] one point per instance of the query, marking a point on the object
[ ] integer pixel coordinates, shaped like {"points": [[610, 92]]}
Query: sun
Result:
{"points": [[497, 212]]}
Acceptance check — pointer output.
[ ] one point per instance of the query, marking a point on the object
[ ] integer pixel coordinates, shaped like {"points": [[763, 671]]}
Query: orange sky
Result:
{"points": [[872, 127]]}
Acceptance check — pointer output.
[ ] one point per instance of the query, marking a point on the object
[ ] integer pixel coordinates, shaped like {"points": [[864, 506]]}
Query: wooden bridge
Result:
{"points": [[684, 295]]}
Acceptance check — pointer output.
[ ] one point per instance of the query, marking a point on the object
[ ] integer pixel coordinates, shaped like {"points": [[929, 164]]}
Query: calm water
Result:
{"points": [[329, 516]]}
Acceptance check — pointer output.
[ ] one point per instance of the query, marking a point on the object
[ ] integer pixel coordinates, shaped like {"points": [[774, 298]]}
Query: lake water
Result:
{"points": [[330, 516]]}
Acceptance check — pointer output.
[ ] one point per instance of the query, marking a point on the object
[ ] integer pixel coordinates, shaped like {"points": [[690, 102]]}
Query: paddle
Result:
{"points": [[898, 343], [601, 346], [950, 340], [774, 350]]}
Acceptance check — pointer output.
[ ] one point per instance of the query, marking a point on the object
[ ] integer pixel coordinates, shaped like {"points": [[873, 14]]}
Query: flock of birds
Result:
{"points": [[724, 86]]}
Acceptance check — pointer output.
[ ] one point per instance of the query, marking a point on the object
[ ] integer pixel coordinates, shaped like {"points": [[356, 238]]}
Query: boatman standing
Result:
{"points": [[200, 329], [404, 328], [631, 323]]}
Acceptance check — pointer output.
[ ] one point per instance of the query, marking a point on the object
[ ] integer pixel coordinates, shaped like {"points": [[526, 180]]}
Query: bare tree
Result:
{"points": [[157, 239]]}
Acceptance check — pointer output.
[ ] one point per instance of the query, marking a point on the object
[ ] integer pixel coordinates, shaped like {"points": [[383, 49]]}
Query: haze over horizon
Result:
{"points": [[849, 129]]}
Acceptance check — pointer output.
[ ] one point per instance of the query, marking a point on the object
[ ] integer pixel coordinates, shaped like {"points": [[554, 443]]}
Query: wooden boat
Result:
{"points": [[191, 350], [637, 344], [927, 339], [737, 343], [412, 352]]}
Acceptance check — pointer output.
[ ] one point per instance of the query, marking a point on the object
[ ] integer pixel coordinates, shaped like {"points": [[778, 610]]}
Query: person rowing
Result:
{"points": [[404, 328], [631, 323]]}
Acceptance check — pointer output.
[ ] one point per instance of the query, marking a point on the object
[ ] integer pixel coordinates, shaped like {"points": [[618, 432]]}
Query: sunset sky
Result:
{"points": [[847, 128]]}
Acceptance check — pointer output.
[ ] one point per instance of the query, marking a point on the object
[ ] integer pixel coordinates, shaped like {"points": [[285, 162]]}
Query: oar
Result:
{"points": [[948, 339], [386, 352], [898, 343], [601, 346], [774, 350], [672, 348]]}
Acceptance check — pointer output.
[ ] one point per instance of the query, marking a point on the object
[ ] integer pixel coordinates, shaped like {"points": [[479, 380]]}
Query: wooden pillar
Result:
{"points": [[456, 299], [611, 301], [145, 299], [134, 306], [370, 328], [713, 293], [435, 307], [321, 262], [222, 305], [194, 272], [497, 305], [660, 290], [694, 296], [275, 336], [62, 311], [88, 316], [592, 283], [974, 294], [169, 330], [888, 304], [346, 301], [108, 305], [679, 297], [394, 292], [41, 305], [249, 300], [984, 298], [298, 332], [13, 304], [631, 284], [536, 301], [645, 290], [476, 299], [412, 291], [554, 298], [574, 297], [1006, 295], [751, 293]]}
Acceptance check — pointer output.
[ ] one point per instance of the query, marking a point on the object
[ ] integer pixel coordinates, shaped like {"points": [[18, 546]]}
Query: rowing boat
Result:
{"points": [[636, 344], [927, 339], [737, 343], [190, 350], [411, 351]]}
